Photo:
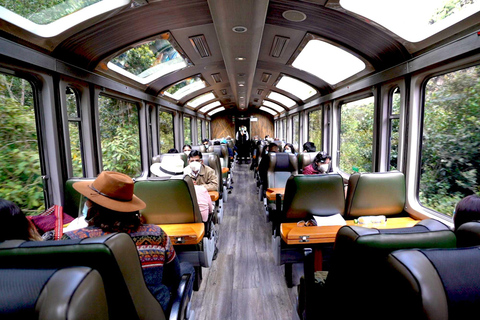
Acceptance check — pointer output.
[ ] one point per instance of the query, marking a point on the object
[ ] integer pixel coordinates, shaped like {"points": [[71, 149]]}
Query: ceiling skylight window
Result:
{"points": [[296, 87], [216, 110], [272, 105], [273, 113], [286, 101], [185, 87], [413, 20], [50, 18], [327, 62], [150, 60], [210, 106], [195, 102]]}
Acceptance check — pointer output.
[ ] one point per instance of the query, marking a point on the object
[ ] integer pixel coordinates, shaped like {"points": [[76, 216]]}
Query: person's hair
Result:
{"points": [[309, 147], [467, 209], [272, 145], [173, 150], [114, 221], [216, 143], [195, 153], [186, 145], [290, 146], [205, 140], [321, 157], [15, 223]]}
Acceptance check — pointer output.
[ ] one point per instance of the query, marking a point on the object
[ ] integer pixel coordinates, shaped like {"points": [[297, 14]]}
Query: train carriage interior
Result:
{"points": [[383, 96]]}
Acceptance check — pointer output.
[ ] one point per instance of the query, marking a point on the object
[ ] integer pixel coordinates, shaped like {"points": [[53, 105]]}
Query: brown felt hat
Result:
{"points": [[112, 190]]}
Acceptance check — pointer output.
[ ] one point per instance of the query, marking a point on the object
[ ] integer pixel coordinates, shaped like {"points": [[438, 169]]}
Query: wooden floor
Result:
{"points": [[244, 282]]}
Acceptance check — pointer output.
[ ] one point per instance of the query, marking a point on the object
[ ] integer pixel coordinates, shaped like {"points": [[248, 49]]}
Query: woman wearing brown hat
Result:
{"points": [[112, 207]]}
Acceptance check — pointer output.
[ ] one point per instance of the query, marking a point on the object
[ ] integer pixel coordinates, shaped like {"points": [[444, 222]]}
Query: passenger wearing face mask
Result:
{"points": [[200, 173], [289, 148], [321, 164], [187, 149]]}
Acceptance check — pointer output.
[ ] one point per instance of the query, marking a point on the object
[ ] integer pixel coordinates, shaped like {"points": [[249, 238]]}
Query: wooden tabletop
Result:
{"points": [[185, 233], [272, 193], [292, 234], [214, 195]]}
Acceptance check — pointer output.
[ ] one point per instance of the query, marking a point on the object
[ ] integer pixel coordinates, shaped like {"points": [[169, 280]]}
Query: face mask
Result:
{"points": [[85, 210], [195, 166], [266, 152], [324, 167], [187, 152], [288, 151]]}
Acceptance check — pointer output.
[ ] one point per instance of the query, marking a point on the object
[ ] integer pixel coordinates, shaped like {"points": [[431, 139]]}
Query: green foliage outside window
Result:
{"points": [[20, 171], [451, 139], [315, 128], [356, 136], [120, 138], [187, 130], [166, 131]]}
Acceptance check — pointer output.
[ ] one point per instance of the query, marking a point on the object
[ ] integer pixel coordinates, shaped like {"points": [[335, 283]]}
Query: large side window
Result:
{"points": [[120, 138], [284, 125], [394, 124], [356, 135], [166, 132], [207, 129], [74, 130], [451, 139], [187, 130], [315, 127], [199, 131], [20, 170], [296, 129]]}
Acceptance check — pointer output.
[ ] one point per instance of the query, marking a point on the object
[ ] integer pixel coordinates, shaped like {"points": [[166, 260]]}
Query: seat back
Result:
{"points": [[304, 159], [73, 200], [306, 195], [437, 283], [281, 167], [162, 156], [361, 253], [222, 152], [114, 256], [213, 161], [168, 200], [468, 234], [379, 193], [52, 294]]}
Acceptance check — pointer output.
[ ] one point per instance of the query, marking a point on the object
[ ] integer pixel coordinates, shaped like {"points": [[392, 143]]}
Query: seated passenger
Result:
{"points": [[309, 147], [289, 148], [114, 208], [187, 149], [173, 150], [171, 167], [321, 164], [206, 143], [200, 173], [265, 162], [467, 210], [15, 224]]}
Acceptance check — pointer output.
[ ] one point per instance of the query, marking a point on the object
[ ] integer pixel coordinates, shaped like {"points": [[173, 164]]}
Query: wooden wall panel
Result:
{"points": [[223, 125]]}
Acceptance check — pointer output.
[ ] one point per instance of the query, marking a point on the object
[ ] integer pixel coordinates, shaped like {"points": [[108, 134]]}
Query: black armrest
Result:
{"points": [[180, 305]]}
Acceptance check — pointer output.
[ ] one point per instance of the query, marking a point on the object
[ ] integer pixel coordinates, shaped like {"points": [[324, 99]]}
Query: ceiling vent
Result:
{"points": [[216, 77], [266, 77], [224, 92], [200, 45], [260, 92], [278, 46]]}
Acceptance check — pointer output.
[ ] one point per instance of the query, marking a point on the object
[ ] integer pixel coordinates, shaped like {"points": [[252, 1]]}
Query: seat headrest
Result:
{"points": [[280, 161]]}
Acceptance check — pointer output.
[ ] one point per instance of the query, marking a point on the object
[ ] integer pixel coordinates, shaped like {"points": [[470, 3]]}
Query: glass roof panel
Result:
{"points": [[51, 17], [327, 62], [286, 101], [195, 102], [149, 61], [268, 110], [272, 105], [210, 106], [216, 110], [414, 20], [185, 87], [296, 87]]}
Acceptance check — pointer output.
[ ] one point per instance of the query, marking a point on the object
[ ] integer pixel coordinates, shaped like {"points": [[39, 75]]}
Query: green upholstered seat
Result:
{"points": [[304, 159]]}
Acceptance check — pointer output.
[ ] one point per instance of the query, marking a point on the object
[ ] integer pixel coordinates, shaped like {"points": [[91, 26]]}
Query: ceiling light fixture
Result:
{"points": [[294, 15], [239, 29], [240, 58]]}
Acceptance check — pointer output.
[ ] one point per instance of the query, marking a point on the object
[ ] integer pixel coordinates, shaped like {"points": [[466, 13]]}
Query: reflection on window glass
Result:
{"points": [[20, 171], [185, 87], [296, 129], [315, 127], [356, 136], [166, 132], [394, 129], [451, 139], [119, 134], [149, 61], [187, 130], [199, 131], [74, 130]]}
